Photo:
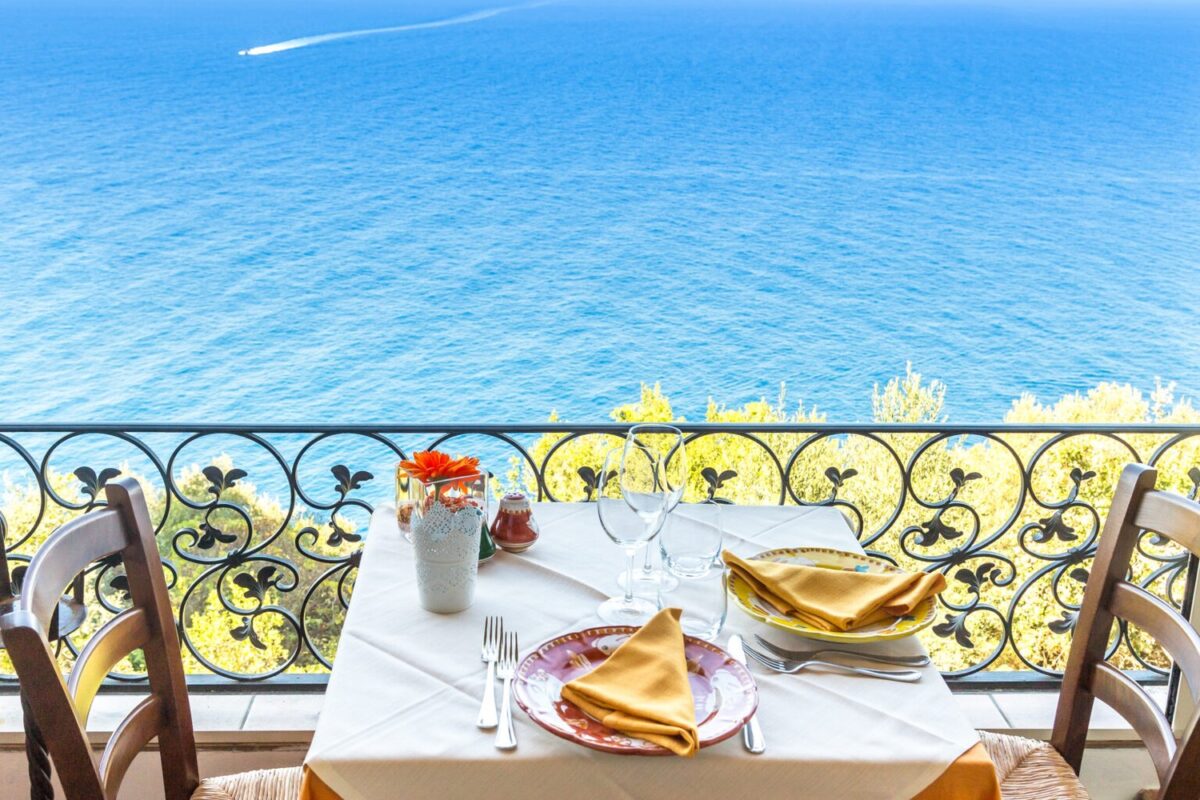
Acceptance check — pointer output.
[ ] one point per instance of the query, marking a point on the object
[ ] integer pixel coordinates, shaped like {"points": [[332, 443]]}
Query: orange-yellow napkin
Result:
{"points": [[642, 689], [834, 599]]}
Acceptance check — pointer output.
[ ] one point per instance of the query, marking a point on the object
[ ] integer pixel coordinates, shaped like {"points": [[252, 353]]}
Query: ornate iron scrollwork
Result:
{"points": [[268, 578]]}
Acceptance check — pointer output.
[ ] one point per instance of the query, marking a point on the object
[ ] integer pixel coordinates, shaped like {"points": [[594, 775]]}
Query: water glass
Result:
{"points": [[691, 539], [626, 527], [703, 599]]}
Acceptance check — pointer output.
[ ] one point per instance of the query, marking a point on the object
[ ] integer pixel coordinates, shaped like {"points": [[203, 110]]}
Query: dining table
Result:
{"points": [[400, 709]]}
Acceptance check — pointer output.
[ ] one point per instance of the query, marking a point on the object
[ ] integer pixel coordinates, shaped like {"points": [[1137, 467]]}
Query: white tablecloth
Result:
{"points": [[399, 714]]}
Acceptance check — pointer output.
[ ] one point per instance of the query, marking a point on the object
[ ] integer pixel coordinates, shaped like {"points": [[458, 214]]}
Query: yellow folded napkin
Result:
{"points": [[834, 599], [642, 689]]}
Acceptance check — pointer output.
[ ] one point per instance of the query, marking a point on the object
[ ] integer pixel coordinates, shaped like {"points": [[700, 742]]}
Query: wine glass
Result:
{"points": [[659, 449], [627, 528]]}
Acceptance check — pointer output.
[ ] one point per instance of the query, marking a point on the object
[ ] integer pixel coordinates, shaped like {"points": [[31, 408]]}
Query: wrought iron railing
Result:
{"points": [[262, 547]]}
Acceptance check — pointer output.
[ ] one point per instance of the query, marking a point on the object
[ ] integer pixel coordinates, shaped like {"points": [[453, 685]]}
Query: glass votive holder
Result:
{"points": [[703, 599]]}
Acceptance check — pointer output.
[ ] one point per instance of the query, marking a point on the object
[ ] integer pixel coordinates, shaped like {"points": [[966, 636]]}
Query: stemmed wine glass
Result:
{"points": [[626, 527], [659, 449]]}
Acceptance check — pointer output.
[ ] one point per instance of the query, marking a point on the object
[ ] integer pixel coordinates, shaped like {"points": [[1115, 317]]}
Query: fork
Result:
{"points": [[493, 631], [506, 736], [803, 655], [789, 666]]}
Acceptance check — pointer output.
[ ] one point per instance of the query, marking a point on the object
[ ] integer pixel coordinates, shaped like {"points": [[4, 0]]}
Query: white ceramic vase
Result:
{"points": [[446, 545]]}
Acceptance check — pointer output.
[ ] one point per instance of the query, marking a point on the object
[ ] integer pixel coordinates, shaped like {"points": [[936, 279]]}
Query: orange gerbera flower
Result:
{"points": [[428, 466]]}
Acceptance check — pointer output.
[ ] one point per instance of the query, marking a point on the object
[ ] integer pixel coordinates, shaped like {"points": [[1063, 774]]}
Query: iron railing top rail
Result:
{"points": [[612, 427]]}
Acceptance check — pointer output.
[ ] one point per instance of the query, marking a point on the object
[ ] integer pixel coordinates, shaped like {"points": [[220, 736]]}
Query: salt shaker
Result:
{"points": [[514, 528]]}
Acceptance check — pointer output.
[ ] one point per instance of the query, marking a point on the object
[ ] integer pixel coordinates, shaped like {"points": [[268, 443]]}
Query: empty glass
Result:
{"points": [[691, 539], [656, 454], [703, 599], [627, 528]]}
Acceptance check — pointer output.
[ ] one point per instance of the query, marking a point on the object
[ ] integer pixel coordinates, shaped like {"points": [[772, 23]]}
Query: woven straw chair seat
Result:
{"points": [[1031, 770], [261, 784]]}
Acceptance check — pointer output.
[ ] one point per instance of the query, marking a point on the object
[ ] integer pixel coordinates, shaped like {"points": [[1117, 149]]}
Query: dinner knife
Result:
{"points": [[752, 735]]}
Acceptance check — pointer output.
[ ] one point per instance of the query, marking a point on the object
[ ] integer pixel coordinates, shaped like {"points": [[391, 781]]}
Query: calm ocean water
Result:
{"points": [[540, 209]]}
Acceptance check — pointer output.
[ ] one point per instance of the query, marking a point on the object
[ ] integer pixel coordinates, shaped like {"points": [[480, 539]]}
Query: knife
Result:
{"points": [[752, 735]]}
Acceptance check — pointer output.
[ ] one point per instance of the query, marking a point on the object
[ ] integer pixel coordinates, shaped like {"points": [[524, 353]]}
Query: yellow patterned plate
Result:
{"points": [[756, 607]]}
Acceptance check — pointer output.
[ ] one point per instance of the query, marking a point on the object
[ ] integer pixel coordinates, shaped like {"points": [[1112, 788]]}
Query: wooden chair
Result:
{"points": [[61, 708], [1031, 769]]}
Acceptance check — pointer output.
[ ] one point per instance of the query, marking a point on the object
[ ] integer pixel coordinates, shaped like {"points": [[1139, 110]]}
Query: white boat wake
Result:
{"points": [[308, 41]]}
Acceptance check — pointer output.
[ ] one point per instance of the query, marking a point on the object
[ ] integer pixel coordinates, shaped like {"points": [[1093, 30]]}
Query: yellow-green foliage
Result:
{"points": [[207, 622], [860, 474], [870, 496]]}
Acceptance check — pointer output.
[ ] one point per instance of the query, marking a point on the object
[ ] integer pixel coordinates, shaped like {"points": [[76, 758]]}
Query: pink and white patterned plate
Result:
{"points": [[723, 689]]}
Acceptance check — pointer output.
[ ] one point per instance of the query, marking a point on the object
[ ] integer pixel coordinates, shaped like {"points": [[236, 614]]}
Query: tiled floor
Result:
{"points": [[214, 716], [296, 713], [1035, 710], [283, 712]]}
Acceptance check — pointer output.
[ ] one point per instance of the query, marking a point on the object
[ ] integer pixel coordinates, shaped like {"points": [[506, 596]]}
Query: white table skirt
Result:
{"points": [[399, 715]]}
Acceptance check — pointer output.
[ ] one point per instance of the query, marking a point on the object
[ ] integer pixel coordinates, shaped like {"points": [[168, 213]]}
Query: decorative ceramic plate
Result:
{"points": [[922, 617], [723, 689]]}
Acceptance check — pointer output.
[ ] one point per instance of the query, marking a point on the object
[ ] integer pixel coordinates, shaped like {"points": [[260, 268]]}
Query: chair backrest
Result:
{"points": [[1136, 507], [60, 708]]}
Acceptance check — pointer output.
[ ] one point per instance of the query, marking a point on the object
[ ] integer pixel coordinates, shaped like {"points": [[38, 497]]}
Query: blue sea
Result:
{"points": [[504, 214]]}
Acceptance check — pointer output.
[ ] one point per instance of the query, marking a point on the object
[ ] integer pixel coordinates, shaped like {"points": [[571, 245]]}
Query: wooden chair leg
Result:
{"points": [[40, 787]]}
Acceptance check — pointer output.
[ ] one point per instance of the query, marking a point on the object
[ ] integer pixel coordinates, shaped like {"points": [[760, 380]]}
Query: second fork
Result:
{"points": [[506, 736], [826, 653], [783, 665]]}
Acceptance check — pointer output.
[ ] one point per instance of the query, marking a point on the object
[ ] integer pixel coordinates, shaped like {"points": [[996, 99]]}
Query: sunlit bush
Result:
{"points": [[861, 474]]}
